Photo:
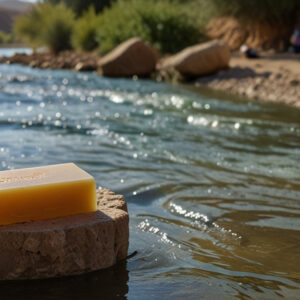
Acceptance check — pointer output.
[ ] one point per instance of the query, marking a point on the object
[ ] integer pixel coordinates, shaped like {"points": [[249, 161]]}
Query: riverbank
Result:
{"points": [[13, 45], [78, 61], [272, 78]]}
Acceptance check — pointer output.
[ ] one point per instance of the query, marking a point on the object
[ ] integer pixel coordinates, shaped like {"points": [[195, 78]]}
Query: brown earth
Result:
{"points": [[274, 78], [262, 36], [87, 61]]}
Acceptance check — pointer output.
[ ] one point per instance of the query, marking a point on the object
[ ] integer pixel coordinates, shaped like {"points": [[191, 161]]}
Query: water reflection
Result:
{"points": [[111, 283], [212, 183], [12, 51]]}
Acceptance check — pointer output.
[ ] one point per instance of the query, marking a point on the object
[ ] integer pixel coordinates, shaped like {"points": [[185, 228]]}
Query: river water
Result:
{"points": [[212, 183]]}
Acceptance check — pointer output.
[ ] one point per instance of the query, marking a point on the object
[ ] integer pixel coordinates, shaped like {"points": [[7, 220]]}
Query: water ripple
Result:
{"points": [[212, 184]]}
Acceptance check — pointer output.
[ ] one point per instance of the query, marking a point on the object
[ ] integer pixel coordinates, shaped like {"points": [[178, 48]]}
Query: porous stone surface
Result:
{"points": [[133, 57], [198, 60], [67, 245]]}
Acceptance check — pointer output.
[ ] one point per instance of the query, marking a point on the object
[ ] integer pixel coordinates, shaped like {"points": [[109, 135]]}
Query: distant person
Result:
{"points": [[249, 52], [295, 41]]}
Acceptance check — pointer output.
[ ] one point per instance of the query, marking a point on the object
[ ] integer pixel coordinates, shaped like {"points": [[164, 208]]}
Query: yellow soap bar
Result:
{"points": [[45, 193]]}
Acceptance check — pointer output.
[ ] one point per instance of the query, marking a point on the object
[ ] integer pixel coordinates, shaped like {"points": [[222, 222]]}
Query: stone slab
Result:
{"points": [[67, 245]]}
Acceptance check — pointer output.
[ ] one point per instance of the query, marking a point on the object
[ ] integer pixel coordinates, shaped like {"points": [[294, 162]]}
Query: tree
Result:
{"points": [[80, 6]]}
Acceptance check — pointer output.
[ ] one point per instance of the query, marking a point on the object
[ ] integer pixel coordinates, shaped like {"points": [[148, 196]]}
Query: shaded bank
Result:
{"points": [[272, 78]]}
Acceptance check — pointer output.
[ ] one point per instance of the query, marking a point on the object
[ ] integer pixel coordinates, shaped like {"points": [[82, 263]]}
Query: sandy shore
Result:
{"points": [[274, 78]]}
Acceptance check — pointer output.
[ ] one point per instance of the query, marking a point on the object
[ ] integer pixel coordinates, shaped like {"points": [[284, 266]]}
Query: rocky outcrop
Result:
{"points": [[228, 30], [258, 35], [68, 245], [130, 58], [198, 60], [78, 61]]}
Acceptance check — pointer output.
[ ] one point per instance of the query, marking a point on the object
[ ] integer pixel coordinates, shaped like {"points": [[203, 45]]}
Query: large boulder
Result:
{"points": [[202, 59], [130, 58]]}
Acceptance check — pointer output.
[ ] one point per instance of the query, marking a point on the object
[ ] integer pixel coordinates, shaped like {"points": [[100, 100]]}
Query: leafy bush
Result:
{"points": [[27, 27], [5, 37], [80, 6], [47, 25], [169, 26], [84, 34]]}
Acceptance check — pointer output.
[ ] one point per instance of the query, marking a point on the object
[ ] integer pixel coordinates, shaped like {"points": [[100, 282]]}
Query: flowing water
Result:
{"points": [[212, 183]]}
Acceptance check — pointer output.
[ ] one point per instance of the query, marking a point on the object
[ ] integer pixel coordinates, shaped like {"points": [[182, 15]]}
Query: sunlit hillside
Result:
{"points": [[9, 10]]}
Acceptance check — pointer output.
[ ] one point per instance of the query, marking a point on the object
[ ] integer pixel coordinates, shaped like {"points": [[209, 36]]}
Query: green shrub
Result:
{"points": [[47, 25], [84, 34], [4, 37], [80, 6], [27, 27], [169, 26]]}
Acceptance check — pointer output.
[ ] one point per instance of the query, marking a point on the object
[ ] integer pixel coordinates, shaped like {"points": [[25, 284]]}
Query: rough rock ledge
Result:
{"points": [[67, 245]]}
